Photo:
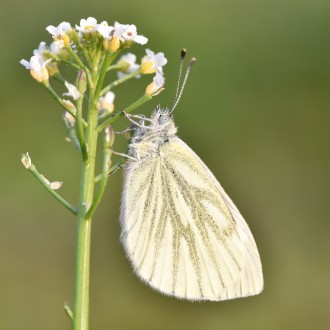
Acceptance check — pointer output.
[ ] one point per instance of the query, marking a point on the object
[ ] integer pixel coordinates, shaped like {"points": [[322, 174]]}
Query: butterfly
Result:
{"points": [[180, 230]]}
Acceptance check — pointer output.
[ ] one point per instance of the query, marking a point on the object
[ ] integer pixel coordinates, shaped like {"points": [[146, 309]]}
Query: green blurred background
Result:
{"points": [[256, 109]]}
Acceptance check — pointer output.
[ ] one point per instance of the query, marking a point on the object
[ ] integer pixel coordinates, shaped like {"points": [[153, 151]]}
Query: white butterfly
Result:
{"points": [[181, 231]]}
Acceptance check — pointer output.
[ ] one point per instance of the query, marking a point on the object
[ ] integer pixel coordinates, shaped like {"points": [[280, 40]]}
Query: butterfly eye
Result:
{"points": [[163, 119]]}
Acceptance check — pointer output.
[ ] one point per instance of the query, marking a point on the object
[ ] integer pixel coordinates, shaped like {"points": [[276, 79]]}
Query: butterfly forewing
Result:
{"points": [[182, 232]]}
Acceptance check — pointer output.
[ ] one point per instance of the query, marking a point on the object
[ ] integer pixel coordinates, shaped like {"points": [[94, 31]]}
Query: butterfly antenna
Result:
{"points": [[179, 90], [183, 55]]}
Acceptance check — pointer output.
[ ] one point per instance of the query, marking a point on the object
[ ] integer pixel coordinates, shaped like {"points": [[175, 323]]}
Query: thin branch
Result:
{"points": [[112, 169], [114, 67], [133, 106], [62, 103], [45, 184], [120, 81], [82, 66], [68, 311]]}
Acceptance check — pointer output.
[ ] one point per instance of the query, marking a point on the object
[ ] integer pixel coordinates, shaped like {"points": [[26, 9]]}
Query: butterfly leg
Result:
{"points": [[129, 117], [141, 117], [124, 155], [115, 169], [130, 129]]}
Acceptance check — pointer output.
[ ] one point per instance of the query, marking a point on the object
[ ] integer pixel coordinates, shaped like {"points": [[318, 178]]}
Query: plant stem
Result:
{"points": [[43, 182], [81, 292], [80, 64], [103, 182], [61, 102], [84, 221], [120, 81], [113, 118], [111, 170], [80, 128]]}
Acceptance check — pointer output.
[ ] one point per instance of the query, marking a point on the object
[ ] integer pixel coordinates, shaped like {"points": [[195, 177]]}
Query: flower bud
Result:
{"points": [[112, 45], [37, 67], [81, 81], [106, 102], [60, 34], [156, 86], [41, 76], [148, 68], [109, 136], [52, 68], [26, 160], [53, 185], [56, 185]]}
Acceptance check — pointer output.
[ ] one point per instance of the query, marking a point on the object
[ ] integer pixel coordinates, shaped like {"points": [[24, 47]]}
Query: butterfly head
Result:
{"points": [[161, 116]]}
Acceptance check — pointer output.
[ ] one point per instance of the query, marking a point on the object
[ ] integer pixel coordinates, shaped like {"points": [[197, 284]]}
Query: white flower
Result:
{"points": [[72, 91], [69, 120], [157, 85], [109, 97], [87, 25], [44, 52], [55, 49], [42, 48], [125, 32], [128, 32], [105, 30], [119, 30], [127, 61], [59, 34], [62, 28], [109, 32], [106, 102], [37, 67], [26, 160], [153, 62]]}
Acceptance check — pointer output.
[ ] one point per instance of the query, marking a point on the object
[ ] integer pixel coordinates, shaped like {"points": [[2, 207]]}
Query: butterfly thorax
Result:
{"points": [[148, 139]]}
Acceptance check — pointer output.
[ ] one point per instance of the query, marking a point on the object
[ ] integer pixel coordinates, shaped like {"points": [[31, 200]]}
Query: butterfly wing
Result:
{"points": [[181, 231]]}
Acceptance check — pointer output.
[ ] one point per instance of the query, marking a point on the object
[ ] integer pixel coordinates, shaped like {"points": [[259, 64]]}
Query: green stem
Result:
{"points": [[61, 102], [120, 81], [133, 106], [111, 170], [45, 184], [57, 59], [81, 65], [59, 77], [109, 57], [103, 182], [81, 292], [80, 128], [84, 221], [114, 67], [73, 65], [72, 138], [84, 51]]}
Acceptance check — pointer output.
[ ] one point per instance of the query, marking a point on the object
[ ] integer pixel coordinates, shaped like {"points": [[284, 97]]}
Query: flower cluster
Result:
{"points": [[87, 38], [85, 47]]}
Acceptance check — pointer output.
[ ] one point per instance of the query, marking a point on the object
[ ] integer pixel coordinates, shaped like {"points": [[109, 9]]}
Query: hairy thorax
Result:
{"points": [[148, 139]]}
